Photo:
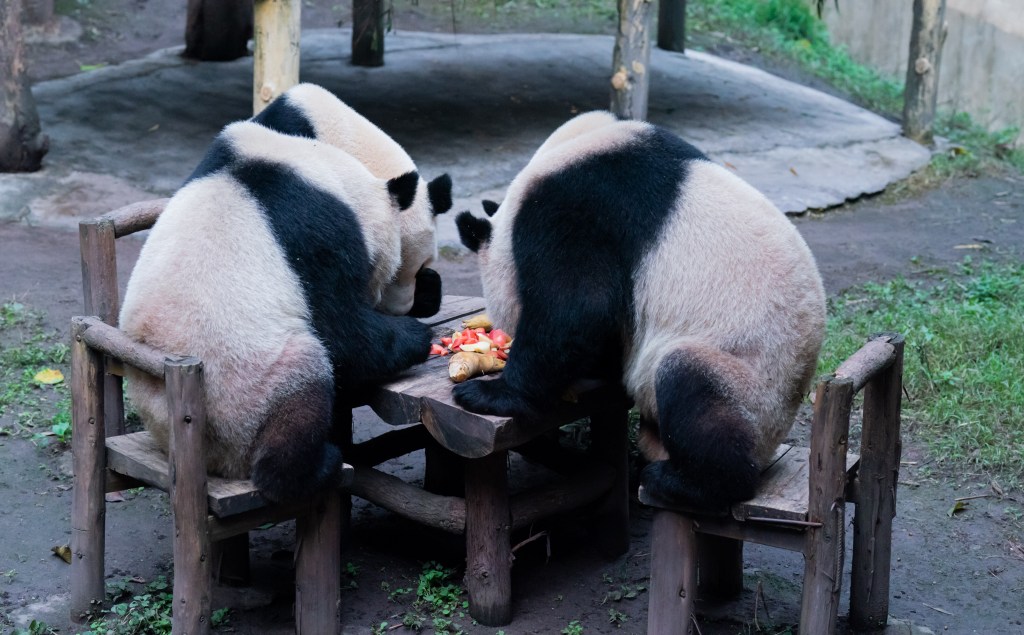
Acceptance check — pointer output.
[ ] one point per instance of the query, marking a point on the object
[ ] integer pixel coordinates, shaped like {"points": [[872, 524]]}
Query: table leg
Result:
{"points": [[488, 547]]}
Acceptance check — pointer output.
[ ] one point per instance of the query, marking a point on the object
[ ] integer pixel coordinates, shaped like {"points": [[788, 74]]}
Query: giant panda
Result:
{"points": [[621, 252], [311, 111], [267, 265]]}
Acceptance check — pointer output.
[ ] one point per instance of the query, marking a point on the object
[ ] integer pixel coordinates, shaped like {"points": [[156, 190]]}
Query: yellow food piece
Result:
{"points": [[476, 347], [463, 366], [478, 321]]}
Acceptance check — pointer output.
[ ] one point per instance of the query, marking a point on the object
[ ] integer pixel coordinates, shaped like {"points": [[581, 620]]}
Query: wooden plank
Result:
{"points": [[88, 508], [876, 494], [276, 38], [456, 307], [191, 544], [138, 456], [631, 59]]}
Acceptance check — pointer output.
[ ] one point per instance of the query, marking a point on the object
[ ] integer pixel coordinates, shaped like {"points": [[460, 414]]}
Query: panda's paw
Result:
{"points": [[492, 397], [427, 296]]}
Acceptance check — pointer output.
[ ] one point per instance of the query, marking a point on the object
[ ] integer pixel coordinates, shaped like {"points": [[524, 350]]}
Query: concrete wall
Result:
{"points": [[982, 69]]}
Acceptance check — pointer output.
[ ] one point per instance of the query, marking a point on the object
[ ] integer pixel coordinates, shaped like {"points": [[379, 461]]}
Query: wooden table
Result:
{"points": [[466, 487]]}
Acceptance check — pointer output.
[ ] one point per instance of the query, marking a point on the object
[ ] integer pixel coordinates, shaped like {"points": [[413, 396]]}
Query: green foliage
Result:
{"points": [[573, 628], [35, 628], [147, 613], [25, 349], [439, 600], [964, 358]]}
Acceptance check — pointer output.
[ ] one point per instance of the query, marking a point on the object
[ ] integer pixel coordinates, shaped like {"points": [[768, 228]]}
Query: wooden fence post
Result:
{"points": [[672, 25], [631, 60], [275, 64], [926, 38]]}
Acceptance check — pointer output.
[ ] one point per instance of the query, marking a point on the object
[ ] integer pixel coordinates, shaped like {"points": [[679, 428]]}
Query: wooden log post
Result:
{"points": [[631, 60], [876, 507], [488, 534], [367, 32], [927, 35], [99, 286], [672, 25], [277, 36], [824, 547], [318, 565], [192, 556], [218, 30], [22, 143], [88, 508], [670, 607]]}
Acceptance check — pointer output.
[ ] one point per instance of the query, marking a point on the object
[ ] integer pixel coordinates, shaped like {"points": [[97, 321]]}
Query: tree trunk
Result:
{"points": [[218, 30], [630, 77], [22, 143], [926, 38], [38, 12]]}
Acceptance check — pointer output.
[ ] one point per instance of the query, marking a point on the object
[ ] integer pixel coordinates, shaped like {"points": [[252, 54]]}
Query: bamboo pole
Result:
{"points": [[276, 35], [926, 38]]}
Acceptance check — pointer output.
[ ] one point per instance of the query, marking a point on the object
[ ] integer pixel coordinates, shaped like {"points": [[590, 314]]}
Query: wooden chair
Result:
{"points": [[800, 506], [211, 515]]}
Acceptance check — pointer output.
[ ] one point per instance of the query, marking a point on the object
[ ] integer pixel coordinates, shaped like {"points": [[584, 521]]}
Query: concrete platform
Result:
{"points": [[476, 106]]}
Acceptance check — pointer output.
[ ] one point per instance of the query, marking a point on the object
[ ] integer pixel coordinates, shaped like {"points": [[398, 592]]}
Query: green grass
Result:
{"points": [[963, 364], [27, 407], [789, 30], [440, 602], [146, 613]]}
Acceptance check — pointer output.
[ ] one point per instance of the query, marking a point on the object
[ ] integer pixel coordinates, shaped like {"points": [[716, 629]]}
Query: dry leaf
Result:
{"points": [[958, 506], [793, 171], [113, 497], [154, 128], [49, 376], [63, 551], [969, 246]]}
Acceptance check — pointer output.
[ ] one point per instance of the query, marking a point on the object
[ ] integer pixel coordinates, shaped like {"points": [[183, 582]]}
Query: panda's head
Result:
{"points": [[416, 289]]}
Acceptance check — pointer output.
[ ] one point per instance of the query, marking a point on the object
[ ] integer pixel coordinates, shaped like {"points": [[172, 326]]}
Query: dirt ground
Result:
{"points": [[961, 574]]}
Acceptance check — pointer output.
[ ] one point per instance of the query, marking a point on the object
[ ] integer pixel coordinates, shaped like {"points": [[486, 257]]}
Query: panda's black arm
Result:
{"points": [[376, 346]]}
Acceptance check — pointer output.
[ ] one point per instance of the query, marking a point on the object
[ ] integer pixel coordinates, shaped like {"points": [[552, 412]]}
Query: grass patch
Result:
{"points": [[439, 603], [148, 612], [964, 359], [30, 408]]}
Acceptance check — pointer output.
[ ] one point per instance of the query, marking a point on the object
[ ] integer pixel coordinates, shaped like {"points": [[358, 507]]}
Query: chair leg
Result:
{"points": [[673, 574], [318, 566], [823, 575], [488, 532], [720, 566], [88, 508], [609, 430]]}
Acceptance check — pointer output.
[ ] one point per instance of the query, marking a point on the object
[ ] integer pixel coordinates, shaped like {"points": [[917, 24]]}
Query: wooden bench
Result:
{"points": [[800, 506]]}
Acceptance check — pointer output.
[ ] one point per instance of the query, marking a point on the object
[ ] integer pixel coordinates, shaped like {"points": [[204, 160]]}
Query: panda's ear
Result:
{"points": [[474, 232], [403, 189], [490, 207], [440, 191]]}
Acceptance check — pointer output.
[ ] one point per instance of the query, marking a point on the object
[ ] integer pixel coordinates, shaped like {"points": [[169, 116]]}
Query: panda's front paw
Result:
{"points": [[479, 395], [427, 296]]}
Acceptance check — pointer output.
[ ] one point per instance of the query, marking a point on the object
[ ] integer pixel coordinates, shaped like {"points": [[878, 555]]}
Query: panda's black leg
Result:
{"points": [[709, 437], [547, 356]]}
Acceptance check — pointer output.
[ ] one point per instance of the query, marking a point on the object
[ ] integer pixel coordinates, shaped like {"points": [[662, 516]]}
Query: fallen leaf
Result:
{"points": [[49, 376], [114, 497], [154, 128], [793, 171], [958, 506], [63, 551], [969, 246]]}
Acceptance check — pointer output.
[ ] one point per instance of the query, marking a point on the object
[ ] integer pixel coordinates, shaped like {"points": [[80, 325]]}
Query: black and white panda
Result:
{"points": [[267, 265], [621, 252], [311, 111]]}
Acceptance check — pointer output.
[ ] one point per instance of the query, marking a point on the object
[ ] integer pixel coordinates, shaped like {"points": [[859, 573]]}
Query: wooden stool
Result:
{"points": [[211, 515], [800, 506], [465, 448]]}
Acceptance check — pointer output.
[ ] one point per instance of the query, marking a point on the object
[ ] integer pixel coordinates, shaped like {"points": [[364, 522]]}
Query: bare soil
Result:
{"points": [[958, 574]]}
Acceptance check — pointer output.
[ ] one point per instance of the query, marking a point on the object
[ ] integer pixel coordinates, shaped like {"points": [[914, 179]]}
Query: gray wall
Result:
{"points": [[982, 69]]}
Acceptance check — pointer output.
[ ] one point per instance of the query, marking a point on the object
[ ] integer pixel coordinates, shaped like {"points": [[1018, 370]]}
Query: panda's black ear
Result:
{"points": [[490, 207], [473, 231], [440, 191], [403, 189]]}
